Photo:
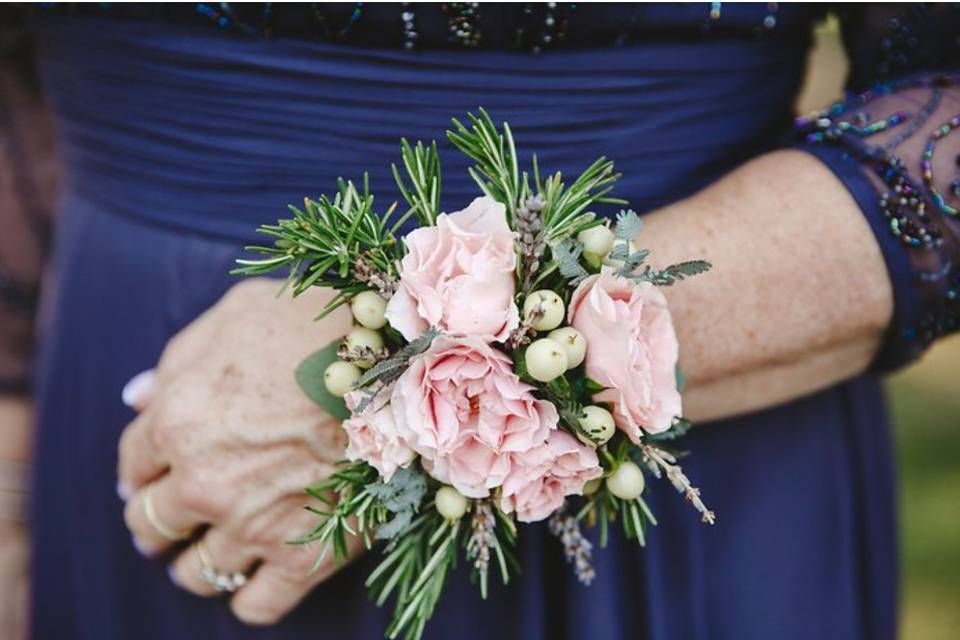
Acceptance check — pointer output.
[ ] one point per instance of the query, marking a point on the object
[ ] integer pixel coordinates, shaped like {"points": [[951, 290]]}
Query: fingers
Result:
{"points": [[157, 519], [140, 460], [283, 581], [197, 567], [273, 592]]}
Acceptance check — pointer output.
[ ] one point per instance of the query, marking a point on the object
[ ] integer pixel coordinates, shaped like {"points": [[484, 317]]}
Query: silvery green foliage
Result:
{"points": [[386, 371], [401, 496], [631, 261], [675, 272], [628, 225], [567, 255]]}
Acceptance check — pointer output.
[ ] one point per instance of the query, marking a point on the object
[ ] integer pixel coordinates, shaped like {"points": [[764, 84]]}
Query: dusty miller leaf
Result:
{"points": [[390, 369], [400, 496], [567, 254], [628, 225], [675, 272], [631, 262]]}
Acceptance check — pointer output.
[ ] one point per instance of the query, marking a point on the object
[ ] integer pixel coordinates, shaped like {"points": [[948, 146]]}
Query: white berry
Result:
{"points": [[572, 342], [340, 377], [369, 308], [626, 482], [596, 241], [450, 503], [550, 303], [598, 422], [360, 337], [546, 360]]}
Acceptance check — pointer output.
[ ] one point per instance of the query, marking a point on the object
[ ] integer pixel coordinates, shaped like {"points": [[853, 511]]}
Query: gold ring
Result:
{"points": [[170, 534]]}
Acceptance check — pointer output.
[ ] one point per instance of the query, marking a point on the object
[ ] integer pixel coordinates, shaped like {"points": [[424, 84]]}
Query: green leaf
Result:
{"points": [[592, 386], [678, 429], [309, 375]]}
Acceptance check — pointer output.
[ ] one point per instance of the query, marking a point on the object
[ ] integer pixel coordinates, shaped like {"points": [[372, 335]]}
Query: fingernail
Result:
{"points": [[123, 490], [173, 575], [139, 388], [141, 548]]}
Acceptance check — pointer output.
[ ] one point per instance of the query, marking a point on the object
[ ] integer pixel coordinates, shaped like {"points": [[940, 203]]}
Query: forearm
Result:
{"points": [[799, 296], [15, 423]]}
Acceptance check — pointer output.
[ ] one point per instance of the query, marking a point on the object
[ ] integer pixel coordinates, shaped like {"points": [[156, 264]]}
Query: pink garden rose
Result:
{"points": [[631, 349], [372, 436], [458, 276], [540, 479], [463, 409]]}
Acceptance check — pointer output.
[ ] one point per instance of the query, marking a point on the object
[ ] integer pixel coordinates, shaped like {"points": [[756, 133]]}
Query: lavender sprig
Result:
{"points": [[576, 548], [379, 279], [663, 462], [482, 539], [532, 242]]}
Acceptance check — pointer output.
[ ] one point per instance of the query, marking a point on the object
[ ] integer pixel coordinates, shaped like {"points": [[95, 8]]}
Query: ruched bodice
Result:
{"points": [[232, 129]]}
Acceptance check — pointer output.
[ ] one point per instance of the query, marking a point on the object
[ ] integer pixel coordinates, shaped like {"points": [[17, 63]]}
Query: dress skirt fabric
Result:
{"points": [[179, 141]]}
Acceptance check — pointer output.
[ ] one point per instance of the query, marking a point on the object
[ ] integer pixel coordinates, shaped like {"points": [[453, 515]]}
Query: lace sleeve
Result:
{"points": [[28, 177], [894, 142]]}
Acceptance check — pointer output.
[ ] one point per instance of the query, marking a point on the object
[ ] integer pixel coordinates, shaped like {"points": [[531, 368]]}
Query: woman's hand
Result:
{"points": [[225, 444]]}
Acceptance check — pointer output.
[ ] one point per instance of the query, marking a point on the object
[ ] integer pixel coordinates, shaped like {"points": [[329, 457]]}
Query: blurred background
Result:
{"points": [[925, 403]]}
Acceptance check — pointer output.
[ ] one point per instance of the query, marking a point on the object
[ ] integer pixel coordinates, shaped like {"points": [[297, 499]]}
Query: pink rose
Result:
{"points": [[631, 350], [463, 409], [458, 276], [372, 436], [541, 479]]}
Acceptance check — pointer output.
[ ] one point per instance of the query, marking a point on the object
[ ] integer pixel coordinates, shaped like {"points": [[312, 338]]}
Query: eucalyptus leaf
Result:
{"points": [[309, 375]]}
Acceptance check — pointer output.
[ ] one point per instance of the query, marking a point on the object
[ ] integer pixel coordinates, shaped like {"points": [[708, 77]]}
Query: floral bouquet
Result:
{"points": [[511, 362]]}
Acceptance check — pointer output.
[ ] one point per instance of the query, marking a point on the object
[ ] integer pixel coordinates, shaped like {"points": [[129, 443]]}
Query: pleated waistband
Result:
{"points": [[214, 133]]}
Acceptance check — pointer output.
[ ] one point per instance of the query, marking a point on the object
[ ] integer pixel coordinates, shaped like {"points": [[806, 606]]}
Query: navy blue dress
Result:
{"points": [[180, 139]]}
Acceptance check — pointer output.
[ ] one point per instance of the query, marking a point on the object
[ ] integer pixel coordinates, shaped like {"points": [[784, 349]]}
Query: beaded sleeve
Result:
{"points": [[895, 146]]}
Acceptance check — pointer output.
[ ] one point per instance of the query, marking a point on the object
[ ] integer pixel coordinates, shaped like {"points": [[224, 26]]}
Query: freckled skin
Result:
{"points": [[229, 440]]}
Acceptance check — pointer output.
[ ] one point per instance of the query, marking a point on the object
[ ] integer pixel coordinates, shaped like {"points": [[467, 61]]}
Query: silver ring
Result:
{"points": [[222, 581], [173, 535]]}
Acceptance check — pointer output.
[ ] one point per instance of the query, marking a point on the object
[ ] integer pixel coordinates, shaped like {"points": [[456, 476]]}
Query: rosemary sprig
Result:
{"points": [[349, 510], [322, 243], [422, 165], [415, 568], [496, 171]]}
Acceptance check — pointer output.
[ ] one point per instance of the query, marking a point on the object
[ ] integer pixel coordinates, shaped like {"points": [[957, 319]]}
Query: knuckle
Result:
{"points": [[171, 423], [300, 564], [204, 494]]}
